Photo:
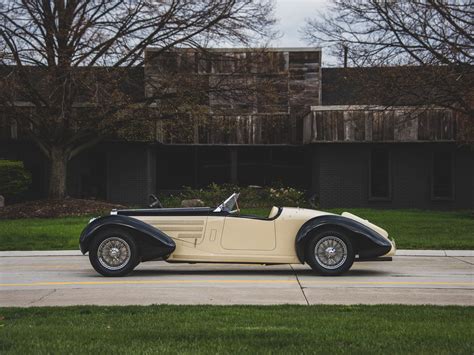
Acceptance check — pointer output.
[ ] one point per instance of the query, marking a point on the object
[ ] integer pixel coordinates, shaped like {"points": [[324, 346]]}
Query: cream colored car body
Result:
{"points": [[240, 239]]}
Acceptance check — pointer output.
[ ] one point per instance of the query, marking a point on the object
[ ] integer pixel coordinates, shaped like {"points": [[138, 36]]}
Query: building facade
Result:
{"points": [[292, 129]]}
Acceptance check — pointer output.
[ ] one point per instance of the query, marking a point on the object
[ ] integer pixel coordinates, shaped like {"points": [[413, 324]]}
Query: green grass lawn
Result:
{"points": [[412, 229], [237, 329], [41, 233]]}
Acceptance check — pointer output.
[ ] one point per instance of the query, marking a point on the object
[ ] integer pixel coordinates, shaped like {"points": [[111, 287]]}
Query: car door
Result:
{"points": [[186, 229], [248, 233]]}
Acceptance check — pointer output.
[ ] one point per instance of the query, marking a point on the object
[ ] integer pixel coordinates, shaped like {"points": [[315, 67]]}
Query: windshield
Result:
{"points": [[230, 205]]}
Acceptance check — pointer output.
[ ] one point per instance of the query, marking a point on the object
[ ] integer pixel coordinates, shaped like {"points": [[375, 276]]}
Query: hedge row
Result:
{"points": [[252, 196], [14, 178]]}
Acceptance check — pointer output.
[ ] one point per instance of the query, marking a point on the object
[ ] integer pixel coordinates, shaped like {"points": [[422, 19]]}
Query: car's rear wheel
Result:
{"points": [[114, 252], [330, 252]]}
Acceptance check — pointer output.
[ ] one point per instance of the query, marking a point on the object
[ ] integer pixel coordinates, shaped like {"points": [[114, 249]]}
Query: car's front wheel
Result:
{"points": [[113, 252], [330, 252]]}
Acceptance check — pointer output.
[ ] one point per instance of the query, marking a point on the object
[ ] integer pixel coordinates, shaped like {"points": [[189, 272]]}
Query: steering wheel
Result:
{"points": [[155, 202]]}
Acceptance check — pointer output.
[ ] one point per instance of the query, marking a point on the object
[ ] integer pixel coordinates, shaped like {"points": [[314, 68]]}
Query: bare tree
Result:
{"points": [[67, 77], [432, 39]]}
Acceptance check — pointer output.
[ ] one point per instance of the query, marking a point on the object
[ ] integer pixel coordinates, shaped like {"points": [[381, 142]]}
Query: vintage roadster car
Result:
{"points": [[328, 242]]}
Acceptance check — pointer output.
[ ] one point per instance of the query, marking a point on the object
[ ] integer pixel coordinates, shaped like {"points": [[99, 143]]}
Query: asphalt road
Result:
{"points": [[70, 280]]}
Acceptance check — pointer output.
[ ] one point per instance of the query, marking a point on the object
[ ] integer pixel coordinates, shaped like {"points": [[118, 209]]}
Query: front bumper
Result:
{"points": [[385, 257], [393, 250]]}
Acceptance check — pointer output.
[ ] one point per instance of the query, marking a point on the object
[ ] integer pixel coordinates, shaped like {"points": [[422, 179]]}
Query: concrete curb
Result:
{"points": [[401, 252], [407, 252], [40, 253]]}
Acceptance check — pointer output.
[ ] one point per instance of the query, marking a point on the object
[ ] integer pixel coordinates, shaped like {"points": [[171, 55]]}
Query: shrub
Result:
{"points": [[14, 178], [252, 196]]}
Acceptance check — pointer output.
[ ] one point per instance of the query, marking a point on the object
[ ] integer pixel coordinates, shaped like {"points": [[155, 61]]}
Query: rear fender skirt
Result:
{"points": [[369, 243], [152, 242]]}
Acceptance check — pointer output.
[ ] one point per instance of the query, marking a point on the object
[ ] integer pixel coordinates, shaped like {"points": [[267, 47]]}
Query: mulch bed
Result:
{"points": [[56, 208]]}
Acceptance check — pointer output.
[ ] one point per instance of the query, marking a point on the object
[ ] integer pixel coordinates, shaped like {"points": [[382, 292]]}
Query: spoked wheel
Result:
{"points": [[330, 252], [113, 252]]}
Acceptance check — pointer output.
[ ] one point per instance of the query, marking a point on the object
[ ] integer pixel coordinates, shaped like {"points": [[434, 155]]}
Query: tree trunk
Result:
{"points": [[57, 173]]}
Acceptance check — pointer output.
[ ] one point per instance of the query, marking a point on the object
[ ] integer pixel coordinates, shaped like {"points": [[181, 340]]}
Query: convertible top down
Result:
{"points": [[328, 242]]}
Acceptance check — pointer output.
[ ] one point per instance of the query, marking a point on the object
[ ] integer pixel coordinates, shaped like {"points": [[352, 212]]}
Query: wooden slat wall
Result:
{"points": [[243, 129], [397, 124], [288, 83], [436, 126], [320, 125]]}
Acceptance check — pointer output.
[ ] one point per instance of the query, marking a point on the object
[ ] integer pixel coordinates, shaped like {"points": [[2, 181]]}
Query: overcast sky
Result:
{"points": [[291, 15]]}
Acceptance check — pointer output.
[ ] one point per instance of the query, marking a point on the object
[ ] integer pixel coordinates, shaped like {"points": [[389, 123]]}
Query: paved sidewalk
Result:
{"points": [[400, 252], [60, 280]]}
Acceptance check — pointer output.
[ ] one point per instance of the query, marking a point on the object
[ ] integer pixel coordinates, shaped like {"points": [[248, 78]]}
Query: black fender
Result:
{"points": [[368, 243], [152, 242]]}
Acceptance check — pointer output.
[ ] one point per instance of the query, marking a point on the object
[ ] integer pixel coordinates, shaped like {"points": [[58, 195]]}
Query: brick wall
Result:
{"points": [[344, 176], [130, 174]]}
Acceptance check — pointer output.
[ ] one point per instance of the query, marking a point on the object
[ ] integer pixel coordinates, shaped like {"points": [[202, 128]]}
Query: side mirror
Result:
{"points": [[154, 202]]}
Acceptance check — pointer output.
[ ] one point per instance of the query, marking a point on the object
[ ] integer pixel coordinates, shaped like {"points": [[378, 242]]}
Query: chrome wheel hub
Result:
{"points": [[114, 253], [330, 252]]}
